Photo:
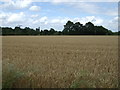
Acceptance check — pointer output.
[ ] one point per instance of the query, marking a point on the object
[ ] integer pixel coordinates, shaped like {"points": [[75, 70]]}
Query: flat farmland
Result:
{"points": [[60, 61]]}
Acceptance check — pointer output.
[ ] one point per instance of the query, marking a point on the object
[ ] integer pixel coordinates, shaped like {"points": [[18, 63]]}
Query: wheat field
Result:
{"points": [[60, 61]]}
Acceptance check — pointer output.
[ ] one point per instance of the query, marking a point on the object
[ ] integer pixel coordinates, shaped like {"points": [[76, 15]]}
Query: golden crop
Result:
{"points": [[60, 61]]}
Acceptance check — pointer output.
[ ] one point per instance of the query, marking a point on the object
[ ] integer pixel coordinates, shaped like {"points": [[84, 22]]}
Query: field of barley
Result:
{"points": [[60, 61]]}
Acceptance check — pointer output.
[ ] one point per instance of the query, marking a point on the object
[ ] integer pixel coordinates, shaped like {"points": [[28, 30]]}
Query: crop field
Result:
{"points": [[60, 61]]}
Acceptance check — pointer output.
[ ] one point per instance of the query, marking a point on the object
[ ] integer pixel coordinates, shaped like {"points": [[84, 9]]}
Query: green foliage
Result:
{"points": [[70, 28]]}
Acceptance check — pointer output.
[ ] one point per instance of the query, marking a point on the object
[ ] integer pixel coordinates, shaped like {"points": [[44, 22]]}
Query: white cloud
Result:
{"points": [[2, 15], [22, 3], [115, 19], [3, 18], [59, 1], [112, 24], [34, 8], [16, 17], [112, 12], [59, 20], [42, 20], [58, 23], [9, 19], [92, 8], [34, 16], [55, 21], [83, 6], [5, 0], [15, 4], [88, 7], [93, 19], [13, 19]]}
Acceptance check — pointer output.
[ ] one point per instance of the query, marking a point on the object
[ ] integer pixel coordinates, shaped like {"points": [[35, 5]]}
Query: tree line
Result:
{"points": [[70, 28]]}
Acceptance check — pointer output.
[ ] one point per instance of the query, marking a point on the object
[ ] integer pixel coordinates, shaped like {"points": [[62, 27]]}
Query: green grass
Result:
{"points": [[10, 75], [84, 80]]}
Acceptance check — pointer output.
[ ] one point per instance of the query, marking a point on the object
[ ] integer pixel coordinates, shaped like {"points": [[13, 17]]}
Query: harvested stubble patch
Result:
{"points": [[60, 61]]}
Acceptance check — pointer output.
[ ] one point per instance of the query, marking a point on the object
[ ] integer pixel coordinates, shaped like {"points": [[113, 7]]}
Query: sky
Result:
{"points": [[55, 13]]}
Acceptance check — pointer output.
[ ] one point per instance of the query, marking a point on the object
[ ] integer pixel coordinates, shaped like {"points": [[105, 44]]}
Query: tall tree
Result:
{"points": [[68, 28], [90, 28], [52, 31]]}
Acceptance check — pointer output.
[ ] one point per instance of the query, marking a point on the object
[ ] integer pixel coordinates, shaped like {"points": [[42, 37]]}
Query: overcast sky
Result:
{"points": [[55, 13]]}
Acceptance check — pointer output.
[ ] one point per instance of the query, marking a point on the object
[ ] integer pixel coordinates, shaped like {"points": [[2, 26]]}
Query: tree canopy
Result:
{"points": [[70, 28]]}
